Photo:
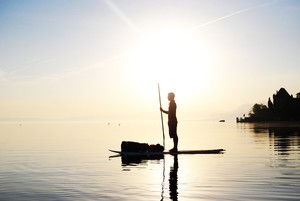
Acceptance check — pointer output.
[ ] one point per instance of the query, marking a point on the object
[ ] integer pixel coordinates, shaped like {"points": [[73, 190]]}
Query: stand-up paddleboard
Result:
{"points": [[209, 151]]}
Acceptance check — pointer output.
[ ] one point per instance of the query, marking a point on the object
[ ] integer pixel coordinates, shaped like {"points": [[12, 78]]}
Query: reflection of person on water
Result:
{"points": [[173, 186], [172, 120]]}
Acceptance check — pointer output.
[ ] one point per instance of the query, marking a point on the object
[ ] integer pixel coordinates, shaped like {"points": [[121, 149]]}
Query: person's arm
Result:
{"points": [[164, 111]]}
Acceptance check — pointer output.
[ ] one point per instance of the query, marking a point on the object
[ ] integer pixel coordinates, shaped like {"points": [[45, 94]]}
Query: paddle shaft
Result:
{"points": [[161, 117]]}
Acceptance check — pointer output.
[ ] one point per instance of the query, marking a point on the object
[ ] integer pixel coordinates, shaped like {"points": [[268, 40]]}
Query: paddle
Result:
{"points": [[161, 116]]}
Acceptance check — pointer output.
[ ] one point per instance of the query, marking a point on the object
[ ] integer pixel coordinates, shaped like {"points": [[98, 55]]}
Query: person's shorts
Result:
{"points": [[172, 128]]}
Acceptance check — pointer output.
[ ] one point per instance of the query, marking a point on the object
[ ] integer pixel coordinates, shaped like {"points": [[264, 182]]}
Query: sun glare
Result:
{"points": [[177, 61]]}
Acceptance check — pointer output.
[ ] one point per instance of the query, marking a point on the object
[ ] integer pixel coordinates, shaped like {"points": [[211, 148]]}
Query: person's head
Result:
{"points": [[171, 96]]}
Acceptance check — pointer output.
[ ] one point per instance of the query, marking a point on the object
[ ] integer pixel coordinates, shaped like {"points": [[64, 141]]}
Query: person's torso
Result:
{"points": [[172, 111]]}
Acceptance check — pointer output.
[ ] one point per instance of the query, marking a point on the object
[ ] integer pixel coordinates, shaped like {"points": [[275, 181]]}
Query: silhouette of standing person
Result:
{"points": [[172, 120]]}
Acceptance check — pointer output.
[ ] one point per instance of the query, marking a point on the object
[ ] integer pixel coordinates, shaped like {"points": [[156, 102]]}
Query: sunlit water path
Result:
{"points": [[71, 161]]}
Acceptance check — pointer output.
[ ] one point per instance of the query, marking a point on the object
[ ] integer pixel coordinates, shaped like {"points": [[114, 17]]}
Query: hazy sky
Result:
{"points": [[103, 59]]}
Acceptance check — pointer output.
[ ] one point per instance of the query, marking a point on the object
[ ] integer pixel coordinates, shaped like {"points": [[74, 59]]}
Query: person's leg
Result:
{"points": [[173, 134], [175, 140]]}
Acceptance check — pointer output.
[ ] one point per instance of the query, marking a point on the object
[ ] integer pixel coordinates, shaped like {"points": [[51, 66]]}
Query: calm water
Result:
{"points": [[70, 161]]}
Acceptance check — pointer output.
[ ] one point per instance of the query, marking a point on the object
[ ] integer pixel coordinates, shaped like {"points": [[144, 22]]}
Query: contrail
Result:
{"points": [[9, 75], [124, 17], [55, 77], [228, 16], [29, 64], [3, 76]]}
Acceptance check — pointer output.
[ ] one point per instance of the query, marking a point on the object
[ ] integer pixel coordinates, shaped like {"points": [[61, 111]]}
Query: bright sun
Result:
{"points": [[177, 61]]}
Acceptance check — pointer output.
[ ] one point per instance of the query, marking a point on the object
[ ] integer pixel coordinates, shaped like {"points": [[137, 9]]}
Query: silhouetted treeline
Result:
{"points": [[284, 107]]}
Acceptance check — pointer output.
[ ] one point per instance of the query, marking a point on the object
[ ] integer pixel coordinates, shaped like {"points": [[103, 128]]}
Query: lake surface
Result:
{"points": [[71, 161]]}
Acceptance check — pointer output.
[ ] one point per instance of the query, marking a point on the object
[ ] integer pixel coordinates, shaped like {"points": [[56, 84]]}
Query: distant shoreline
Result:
{"points": [[283, 108], [267, 122]]}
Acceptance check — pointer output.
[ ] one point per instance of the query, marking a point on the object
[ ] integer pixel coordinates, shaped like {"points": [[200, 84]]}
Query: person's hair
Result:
{"points": [[171, 94]]}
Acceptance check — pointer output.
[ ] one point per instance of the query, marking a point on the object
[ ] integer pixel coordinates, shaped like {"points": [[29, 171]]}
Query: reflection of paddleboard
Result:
{"points": [[209, 151]]}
